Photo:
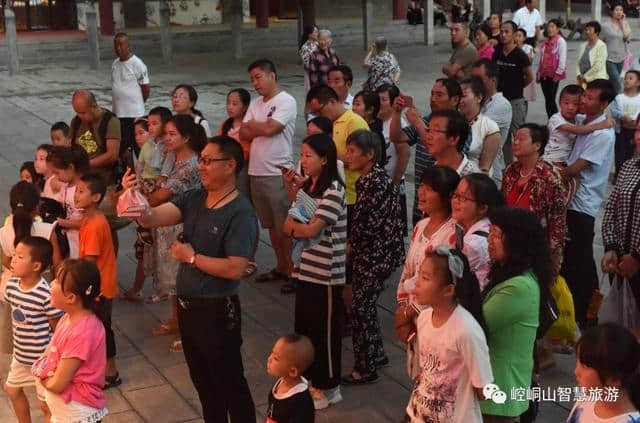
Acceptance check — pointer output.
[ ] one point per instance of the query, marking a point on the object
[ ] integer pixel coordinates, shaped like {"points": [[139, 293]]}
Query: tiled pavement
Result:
{"points": [[156, 384]]}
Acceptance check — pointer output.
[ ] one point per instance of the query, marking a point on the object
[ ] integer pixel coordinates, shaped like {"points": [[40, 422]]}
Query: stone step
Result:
{"points": [[281, 35]]}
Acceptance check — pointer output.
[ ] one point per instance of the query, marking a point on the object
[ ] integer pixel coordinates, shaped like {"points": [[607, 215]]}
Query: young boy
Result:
{"points": [[33, 320], [625, 111], [96, 245], [566, 124], [60, 134], [289, 399]]}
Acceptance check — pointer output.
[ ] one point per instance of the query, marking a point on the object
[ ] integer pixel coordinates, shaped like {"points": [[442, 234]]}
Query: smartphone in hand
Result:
{"points": [[408, 100]]}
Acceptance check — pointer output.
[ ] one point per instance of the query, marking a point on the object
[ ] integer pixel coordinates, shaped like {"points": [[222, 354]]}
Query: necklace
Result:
{"points": [[223, 197], [527, 175]]}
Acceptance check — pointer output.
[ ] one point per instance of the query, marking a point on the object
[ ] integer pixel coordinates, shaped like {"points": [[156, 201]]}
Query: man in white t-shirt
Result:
{"points": [[529, 19], [269, 124], [130, 89]]}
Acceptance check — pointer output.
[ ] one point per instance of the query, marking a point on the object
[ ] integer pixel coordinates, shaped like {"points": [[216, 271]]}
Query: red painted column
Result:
{"points": [[399, 9], [105, 9], [262, 13]]}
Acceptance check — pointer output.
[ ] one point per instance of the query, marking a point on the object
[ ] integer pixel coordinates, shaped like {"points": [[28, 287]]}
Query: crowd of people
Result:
{"points": [[504, 208]]}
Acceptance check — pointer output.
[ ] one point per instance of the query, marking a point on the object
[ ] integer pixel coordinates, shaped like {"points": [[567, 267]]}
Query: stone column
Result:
{"points": [[542, 8], [92, 35], [429, 30], [367, 23], [486, 9], [236, 27], [596, 10], [165, 32], [12, 40]]}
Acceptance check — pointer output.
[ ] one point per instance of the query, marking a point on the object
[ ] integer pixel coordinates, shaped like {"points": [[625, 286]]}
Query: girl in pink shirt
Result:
{"points": [[72, 369]]}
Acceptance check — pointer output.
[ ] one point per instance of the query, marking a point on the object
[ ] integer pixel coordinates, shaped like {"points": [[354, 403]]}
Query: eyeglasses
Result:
{"points": [[208, 160], [462, 198], [429, 130]]}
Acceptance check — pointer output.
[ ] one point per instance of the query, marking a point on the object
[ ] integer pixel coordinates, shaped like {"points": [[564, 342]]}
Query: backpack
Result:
{"points": [[102, 126], [50, 210]]}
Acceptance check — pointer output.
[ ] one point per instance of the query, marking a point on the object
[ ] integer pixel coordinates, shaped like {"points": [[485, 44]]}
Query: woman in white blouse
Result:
{"points": [[485, 133]]}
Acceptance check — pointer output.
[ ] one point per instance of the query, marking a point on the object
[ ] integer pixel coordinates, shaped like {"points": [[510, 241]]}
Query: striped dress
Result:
{"points": [[324, 263], [30, 314]]}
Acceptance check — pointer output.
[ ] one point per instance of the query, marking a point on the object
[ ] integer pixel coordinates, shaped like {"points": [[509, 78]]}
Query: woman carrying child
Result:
{"points": [[320, 271]]}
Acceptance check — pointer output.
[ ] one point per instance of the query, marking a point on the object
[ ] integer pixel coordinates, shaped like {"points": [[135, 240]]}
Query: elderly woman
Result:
{"points": [[375, 248], [382, 66], [519, 283], [616, 34], [553, 65], [621, 224], [308, 44], [592, 56], [536, 185], [322, 59]]}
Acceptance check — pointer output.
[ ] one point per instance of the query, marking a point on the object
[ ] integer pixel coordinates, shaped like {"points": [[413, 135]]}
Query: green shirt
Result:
{"points": [[511, 310]]}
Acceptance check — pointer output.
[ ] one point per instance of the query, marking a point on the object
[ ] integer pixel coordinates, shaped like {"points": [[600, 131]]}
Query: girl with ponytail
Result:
{"points": [[608, 356], [23, 199], [72, 369]]}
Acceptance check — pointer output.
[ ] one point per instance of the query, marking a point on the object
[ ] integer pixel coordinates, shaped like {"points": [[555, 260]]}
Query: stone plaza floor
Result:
{"points": [[156, 386]]}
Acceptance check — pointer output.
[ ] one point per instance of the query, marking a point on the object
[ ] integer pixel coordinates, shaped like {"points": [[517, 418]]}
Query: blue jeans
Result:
{"points": [[614, 70]]}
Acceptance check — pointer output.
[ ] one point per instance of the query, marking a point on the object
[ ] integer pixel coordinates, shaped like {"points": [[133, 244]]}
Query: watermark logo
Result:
{"points": [[492, 391]]}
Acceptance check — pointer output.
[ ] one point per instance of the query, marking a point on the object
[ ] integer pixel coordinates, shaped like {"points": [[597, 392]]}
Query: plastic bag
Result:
{"points": [[565, 327], [628, 58], [132, 204], [619, 305]]}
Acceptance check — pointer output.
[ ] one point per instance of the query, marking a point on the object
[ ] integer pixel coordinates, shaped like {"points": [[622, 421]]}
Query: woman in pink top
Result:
{"points": [[553, 65], [483, 46], [72, 369]]}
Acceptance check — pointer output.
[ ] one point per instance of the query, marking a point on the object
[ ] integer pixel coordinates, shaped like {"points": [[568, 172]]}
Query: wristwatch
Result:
{"points": [[192, 259]]}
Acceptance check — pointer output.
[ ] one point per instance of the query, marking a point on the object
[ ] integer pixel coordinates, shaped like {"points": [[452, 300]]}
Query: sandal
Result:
{"points": [[176, 346], [131, 295], [164, 329], [356, 378], [139, 249], [271, 276], [112, 381], [154, 299], [251, 269]]}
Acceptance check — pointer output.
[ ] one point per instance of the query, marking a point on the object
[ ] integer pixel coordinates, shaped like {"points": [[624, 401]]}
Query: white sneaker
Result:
{"points": [[322, 398]]}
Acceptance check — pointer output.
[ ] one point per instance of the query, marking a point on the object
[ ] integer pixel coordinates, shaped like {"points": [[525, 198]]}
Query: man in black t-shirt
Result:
{"points": [[515, 73], [219, 236]]}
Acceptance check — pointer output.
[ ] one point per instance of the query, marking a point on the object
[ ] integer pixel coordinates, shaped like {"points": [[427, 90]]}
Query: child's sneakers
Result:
{"points": [[323, 398]]}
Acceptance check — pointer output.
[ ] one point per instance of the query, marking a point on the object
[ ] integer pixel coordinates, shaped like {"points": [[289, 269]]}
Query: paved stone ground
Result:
{"points": [[156, 384]]}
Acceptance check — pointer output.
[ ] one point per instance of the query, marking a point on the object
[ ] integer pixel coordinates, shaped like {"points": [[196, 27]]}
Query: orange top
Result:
{"points": [[235, 134], [96, 240]]}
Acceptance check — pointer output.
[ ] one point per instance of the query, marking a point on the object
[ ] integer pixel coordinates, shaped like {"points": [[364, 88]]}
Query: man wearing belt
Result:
{"points": [[219, 235]]}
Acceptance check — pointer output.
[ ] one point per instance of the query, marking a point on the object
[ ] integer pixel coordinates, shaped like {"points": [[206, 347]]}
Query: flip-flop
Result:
{"points": [[164, 329], [154, 299], [132, 296], [112, 381], [271, 276]]}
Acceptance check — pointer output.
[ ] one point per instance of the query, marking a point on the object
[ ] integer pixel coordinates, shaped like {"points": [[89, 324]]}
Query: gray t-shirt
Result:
{"points": [[585, 61], [613, 37], [465, 56], [228, 231]]}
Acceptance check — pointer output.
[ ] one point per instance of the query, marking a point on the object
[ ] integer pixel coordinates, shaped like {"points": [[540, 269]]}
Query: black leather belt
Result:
{"points": [[191, 303]]}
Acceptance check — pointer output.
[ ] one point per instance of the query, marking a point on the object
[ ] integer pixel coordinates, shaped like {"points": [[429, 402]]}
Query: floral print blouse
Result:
{"points": [[305, 52], [382, 68], [377, 247], [547, 200], [621, 224], [319, 65]]}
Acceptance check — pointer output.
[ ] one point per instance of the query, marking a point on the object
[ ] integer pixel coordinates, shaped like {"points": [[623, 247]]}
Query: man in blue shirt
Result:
{"points": [[591, 160]]}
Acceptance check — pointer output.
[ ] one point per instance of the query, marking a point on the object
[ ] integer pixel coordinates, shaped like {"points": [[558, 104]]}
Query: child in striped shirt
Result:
{"points": [[33, 319]]}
